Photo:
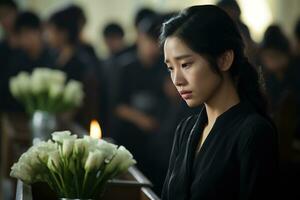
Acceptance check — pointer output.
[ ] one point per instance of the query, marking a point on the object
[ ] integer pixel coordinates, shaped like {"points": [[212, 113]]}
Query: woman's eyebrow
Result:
{"points": [[180, 57]]}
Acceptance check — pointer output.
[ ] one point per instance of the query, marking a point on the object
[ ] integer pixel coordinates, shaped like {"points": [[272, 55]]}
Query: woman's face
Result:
{"points": [[190, 72]]}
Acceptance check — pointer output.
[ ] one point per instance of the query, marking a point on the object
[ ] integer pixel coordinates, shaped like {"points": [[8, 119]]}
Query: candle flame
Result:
{"points": [[95, 130]]}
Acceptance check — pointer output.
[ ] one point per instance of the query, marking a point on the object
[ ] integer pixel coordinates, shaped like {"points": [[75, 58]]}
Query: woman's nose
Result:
{"points": [[178, 78]]}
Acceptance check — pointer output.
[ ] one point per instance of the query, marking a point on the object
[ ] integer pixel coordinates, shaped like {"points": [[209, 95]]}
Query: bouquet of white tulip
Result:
{"points": [[46, 90], [73, 167]]}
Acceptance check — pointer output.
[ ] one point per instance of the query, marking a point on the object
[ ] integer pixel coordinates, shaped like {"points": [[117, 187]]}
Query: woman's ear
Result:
{"points": [[225, 60]]}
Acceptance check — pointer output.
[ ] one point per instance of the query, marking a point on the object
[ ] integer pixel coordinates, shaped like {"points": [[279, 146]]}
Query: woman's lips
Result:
{"points": [[186, 94]]}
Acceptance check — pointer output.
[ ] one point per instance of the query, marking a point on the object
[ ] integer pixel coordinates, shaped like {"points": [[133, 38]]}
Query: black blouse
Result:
{"points": [[238, 159]]}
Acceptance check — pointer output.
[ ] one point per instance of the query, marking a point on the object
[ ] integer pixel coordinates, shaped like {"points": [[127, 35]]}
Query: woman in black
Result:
{"points": [[229, 150]]}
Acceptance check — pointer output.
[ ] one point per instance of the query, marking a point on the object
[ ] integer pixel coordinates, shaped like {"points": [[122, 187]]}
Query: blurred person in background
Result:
{"points": [[119, 56], [29, 32], [8, 44], [63, 35], [79, 17], [142, 14], [98, 68], [98, 82], [96, 63], [282, 87], [232, 8], [297, 41], [140, 100], [32, 53], [8, 52], [279, 66], [8, 14], [114, 38]]}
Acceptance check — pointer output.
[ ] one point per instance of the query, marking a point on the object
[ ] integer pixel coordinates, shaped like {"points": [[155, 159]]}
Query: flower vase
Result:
{"points": [[42, 125]]}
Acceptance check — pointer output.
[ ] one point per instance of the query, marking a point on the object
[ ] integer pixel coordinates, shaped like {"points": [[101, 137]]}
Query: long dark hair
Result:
{"points": [[209, 31]]}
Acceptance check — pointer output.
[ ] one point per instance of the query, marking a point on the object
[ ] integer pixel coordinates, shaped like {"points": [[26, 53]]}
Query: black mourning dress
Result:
{"points": [[238, 159]]}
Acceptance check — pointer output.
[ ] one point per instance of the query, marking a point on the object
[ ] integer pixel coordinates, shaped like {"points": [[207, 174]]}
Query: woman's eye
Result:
{"points": [[184, 65], [170, 69]]}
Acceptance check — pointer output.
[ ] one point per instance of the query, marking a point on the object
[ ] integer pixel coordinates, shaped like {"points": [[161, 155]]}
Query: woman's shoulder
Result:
{"points": [[256, 130], [255, 123]]}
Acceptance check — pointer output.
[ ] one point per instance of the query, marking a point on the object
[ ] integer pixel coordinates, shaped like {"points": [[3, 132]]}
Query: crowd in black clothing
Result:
{"points": [[130, 92]]}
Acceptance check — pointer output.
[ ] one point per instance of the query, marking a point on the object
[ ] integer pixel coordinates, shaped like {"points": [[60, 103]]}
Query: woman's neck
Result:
{"points": [[224, 98]]}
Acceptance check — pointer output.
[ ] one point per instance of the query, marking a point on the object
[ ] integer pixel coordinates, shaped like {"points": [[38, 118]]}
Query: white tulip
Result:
{"points": [[67, 147], [20, 85], [55, 90], [44, 148], [107, 148], [122, 159], [33, 160], [73, 93], [14, 87], [94, 161], [91, 147], [58, 77], [54, 161], [24, 82], [59, 136], [39, 80], [28, 166], [92, 142], [80, 146], [23, 172], [126, 164]]}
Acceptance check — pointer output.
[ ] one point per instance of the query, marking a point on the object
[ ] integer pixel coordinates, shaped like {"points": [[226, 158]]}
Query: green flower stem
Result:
{"points": [[66, 177], [102, 179], [76, 178], [48, 178], [61, 189], [52, 185], [81, 172], [76, 185], [29, 105], [44, 96], [63, 185], [84, 182], [100, 182], [52, 105], [39, 101], [87, 184]]}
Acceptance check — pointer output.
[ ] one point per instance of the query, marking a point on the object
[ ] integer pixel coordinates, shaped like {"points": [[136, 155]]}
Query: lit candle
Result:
{"points": [[95, 130]]}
